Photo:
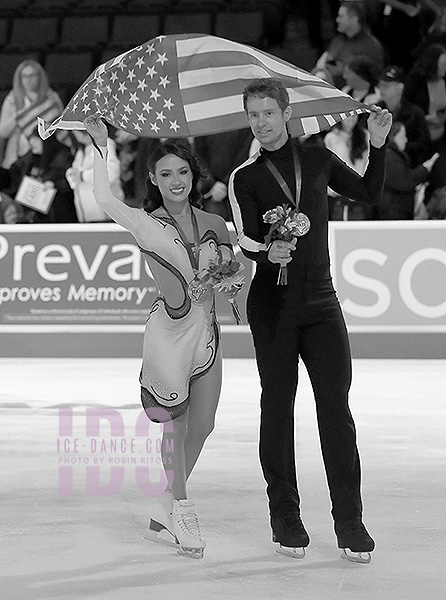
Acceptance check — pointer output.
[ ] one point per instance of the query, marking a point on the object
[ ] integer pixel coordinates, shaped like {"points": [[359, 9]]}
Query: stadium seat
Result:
{"points": [[246, 27], [4, 32], [13, 8], [83, 32], [151, 7], [129, 31], [98, 7], [199, 5], [47, 8], [200, 22], [68, 69], [33, 33], [274, 18]]}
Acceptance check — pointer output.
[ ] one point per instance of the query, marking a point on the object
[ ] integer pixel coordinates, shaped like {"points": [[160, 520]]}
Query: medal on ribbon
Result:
{"points": [[197, 291], [302, 225]]}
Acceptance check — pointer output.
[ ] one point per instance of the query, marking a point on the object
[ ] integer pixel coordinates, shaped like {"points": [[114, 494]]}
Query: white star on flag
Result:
{"points": [[199, 79]]}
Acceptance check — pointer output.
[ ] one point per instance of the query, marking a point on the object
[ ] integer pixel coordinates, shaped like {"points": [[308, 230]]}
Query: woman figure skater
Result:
{"points": [[182, 365]]}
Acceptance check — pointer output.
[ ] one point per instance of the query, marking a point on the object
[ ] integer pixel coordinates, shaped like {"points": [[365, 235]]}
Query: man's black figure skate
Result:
{"points": [[290, 533], [354, 540]]}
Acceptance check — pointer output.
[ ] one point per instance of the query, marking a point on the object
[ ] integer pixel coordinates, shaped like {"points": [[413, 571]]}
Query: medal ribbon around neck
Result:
{"points": [[193, 250], [303, 220], [196, 291]]}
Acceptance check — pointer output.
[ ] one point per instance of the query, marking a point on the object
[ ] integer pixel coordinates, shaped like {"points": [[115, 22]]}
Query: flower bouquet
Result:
{"points": [[223, 274], [286, 225]]}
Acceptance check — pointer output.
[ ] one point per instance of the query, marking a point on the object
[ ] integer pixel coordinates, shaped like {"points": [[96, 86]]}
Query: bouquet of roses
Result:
{"points": [[286, 226], [223, 274]]}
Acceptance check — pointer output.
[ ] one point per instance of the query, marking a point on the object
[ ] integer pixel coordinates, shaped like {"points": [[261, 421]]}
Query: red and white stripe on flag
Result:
{"points": [[192, 84]]}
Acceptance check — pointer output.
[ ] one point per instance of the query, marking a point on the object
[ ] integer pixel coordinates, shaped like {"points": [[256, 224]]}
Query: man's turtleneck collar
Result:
{"points": [[281, 152]]}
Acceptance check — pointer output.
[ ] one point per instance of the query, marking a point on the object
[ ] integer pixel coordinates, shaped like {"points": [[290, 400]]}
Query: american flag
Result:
{"points": [[191, 85]]}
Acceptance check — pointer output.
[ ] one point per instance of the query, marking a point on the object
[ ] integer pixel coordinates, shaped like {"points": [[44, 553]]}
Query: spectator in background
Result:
{"points": [[349, 140], [361, 79], [80, 179], [313, 15], [10, 211], [353, 37], [398, 200], [426, 87], [391, 88], [219, 155], [30, 97], [434, 31], [48, 160], [401, 30]]}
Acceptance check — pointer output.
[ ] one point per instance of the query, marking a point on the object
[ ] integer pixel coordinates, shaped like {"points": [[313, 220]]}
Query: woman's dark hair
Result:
{"points": [[181, 149], [426, 67]]}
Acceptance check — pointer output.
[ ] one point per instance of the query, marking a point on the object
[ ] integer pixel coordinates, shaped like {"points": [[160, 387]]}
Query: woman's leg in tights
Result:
{"points": [[204, 397], [191, 430], [172, 452]]}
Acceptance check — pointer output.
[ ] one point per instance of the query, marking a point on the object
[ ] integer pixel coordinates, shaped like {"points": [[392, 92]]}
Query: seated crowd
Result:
{"points": [[362, 58]]}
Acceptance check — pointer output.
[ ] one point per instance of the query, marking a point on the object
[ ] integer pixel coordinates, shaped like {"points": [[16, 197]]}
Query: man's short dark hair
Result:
{"points": [[267, 87], [356, 8]]}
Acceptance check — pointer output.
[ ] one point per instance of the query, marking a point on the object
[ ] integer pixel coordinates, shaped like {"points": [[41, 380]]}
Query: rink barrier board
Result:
{"points": [[234, 345], [390, 277]]}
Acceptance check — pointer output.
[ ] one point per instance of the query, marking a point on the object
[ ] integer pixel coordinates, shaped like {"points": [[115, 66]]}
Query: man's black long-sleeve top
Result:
{"points": [[253, 191]]}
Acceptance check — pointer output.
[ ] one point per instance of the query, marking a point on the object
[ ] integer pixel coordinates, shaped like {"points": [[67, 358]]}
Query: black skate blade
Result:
{"points": [[363, 558], [157, 532]]}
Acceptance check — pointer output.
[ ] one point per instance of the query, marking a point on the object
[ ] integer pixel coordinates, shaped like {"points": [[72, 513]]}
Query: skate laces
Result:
{"points": [[353, 526], [292, 521], [187, 520], [188, 523]]}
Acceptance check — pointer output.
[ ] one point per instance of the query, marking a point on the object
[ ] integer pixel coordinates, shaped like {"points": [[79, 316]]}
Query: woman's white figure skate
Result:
{"points": [[187, 529], [174, 523], [160, 528]]}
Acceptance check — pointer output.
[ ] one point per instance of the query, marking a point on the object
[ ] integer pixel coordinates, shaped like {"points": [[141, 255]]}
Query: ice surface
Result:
{"points": [[92, 547]]}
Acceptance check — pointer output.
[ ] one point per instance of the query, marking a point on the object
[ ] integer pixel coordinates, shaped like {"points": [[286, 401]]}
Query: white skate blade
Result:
{"points": [[156, 532], [197, 553], [291, 552], [356, 557]]}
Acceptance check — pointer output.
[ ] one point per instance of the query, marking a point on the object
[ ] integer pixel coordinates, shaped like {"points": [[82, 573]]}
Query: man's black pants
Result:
{"points": [[303, 319]]}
